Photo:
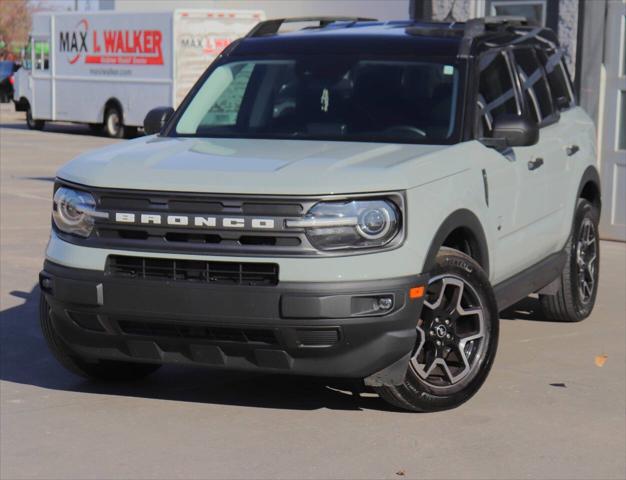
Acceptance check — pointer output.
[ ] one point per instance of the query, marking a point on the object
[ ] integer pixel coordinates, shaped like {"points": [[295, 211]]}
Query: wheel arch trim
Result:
{"points": [[590, 176], [461, 218]]}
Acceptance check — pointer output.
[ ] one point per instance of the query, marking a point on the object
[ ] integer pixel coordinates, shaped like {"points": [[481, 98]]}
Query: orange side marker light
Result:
{"points": [[416, 292]]}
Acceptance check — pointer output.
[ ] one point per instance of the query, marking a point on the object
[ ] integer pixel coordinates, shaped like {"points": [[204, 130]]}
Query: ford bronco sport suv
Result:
{"points": [[354, 199]]}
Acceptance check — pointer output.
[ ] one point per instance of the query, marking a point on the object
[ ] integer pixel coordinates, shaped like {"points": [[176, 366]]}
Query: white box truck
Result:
{"points": [[109, 69]]}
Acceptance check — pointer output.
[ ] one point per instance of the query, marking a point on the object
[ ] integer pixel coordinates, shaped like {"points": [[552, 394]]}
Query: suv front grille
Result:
{"points": [[161, 236], [223, 273]]}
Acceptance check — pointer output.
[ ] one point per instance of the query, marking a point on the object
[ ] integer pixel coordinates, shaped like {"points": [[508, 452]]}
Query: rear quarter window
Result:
{"points": [[534, 84], [560, 84]]}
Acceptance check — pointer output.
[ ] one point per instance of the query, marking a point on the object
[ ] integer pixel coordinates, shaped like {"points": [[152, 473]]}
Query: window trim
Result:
{"points": [[514, 82], [556, 114]]}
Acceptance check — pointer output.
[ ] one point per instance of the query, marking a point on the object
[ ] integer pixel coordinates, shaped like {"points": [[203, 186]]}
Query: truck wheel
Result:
{"points": [[31, 122], [113, 124], [109, 370], [578, 283], [457, 338]]}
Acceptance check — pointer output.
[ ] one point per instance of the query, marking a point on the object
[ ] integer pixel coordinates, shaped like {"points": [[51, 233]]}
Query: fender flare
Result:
{"points": [[590, 175], [461, 218]]}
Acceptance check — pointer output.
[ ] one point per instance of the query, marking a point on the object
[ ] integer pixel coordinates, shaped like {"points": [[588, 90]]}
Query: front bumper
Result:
{"points": [[321, 329]]}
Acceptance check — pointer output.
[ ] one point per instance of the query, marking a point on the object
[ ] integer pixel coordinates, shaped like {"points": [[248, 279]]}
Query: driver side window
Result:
{"points": [[496, 92]]}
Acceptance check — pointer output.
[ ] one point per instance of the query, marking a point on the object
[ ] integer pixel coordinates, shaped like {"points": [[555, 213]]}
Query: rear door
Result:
{"points": [[544, 172]]}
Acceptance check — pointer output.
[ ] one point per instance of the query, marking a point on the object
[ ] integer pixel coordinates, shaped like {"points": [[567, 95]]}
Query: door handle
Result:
{"points": [[571, 150], [535, 163]]}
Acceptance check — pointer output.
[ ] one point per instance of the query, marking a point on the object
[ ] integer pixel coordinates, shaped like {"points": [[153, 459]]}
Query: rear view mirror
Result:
{"points": [[156, 119], [512, 131]]}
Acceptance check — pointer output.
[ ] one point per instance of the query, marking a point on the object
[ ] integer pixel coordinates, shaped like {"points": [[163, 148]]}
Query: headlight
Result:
{"points": [[74, 211], [350, 224]]}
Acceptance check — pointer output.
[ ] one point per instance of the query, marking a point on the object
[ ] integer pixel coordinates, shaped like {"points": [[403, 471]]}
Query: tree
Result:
{"points": [[15, 18]]}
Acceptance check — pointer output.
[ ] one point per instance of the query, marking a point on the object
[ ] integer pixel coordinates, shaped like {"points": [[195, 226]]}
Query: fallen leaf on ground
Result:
{"points": [[601, 360]]}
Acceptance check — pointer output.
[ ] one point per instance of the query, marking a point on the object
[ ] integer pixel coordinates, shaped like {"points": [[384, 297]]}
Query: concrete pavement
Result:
{"points": [[546, 411]]}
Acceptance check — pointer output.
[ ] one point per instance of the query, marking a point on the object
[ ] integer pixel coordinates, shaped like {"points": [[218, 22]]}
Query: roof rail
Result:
{"points": [[271, 27], [476, 27]]}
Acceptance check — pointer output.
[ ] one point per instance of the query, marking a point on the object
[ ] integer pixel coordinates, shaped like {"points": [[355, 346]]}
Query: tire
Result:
{"points": [[460, 312], [578, 283], [108, 370], [31, 122], [113, 122]]}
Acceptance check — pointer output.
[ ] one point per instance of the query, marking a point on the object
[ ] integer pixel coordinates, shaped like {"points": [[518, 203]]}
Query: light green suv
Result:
{"points": [[355, 199]]}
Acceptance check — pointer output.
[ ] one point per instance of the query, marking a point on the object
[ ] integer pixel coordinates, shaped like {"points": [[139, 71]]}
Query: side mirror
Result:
{"points": [[512, 131], [156, 118]]}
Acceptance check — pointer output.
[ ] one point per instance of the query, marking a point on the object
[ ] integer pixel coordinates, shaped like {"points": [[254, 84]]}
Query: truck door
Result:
{"points": [[41, 78], [517, 199]]}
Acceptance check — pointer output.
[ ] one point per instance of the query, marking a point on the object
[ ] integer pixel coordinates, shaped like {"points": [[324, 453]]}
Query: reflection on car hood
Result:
{"points": [[247, 166]]}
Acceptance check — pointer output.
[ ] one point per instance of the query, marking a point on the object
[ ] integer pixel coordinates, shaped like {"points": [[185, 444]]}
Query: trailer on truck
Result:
{"points": [[110, 69]]}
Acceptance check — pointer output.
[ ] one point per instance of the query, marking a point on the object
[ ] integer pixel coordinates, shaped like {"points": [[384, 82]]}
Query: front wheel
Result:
{"points": [[457, 338]]}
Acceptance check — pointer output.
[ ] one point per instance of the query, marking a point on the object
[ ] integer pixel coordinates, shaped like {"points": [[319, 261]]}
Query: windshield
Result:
{"points": [[330, 98]]}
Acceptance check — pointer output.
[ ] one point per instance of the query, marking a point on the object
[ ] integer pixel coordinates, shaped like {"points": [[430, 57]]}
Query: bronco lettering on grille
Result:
{"points": [[198, 221]]}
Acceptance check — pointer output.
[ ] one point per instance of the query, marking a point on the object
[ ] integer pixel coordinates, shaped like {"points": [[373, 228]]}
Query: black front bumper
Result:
{"points": [[321, 329]]}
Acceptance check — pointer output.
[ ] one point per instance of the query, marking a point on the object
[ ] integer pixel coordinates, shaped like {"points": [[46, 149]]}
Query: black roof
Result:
{"points": [[432, 39]]}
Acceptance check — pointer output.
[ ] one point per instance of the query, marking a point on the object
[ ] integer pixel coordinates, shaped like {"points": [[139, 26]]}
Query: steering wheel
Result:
{"points": [[405, 129]]}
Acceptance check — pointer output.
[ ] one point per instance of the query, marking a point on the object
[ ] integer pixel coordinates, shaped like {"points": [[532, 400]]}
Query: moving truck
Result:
{"points": [[108, 69]]}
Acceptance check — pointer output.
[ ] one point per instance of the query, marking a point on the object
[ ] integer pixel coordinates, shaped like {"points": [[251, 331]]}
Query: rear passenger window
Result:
{"points": [[558, 79], [496, 94], [534, 83]]}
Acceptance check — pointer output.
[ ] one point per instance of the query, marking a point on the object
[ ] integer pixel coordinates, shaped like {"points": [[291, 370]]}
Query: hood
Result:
{"points": [[279, 167]]}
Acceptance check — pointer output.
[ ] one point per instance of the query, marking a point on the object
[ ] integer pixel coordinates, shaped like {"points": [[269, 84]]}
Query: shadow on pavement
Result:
{"points": [[25, 359], [527, 309]]}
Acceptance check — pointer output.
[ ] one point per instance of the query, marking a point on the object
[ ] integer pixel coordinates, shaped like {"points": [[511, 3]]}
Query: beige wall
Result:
{"points": [[381, 9]]}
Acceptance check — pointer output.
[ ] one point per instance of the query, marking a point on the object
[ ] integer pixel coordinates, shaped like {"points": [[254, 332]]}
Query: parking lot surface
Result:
{"points": [[548, 409]]}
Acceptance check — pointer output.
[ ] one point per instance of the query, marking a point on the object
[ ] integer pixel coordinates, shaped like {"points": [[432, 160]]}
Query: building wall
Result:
{"points": [[567, 26], [381, 9]]}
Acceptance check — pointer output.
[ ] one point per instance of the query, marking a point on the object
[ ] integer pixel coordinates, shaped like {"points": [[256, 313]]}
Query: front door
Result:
{"points": [[613, 154], [41, 78]]}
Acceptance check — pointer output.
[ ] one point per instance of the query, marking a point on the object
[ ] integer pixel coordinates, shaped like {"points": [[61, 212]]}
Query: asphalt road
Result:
{"points": [[546, 411]]}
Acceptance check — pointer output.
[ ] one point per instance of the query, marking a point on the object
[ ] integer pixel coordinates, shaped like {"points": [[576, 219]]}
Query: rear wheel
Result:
{"points": [[113, 122], [457, 337], [578, 283], [100, 369], [31, 122]]}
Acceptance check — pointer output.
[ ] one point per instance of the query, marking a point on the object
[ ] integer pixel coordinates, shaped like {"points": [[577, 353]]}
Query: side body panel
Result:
{"points": [[108, 56]]}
